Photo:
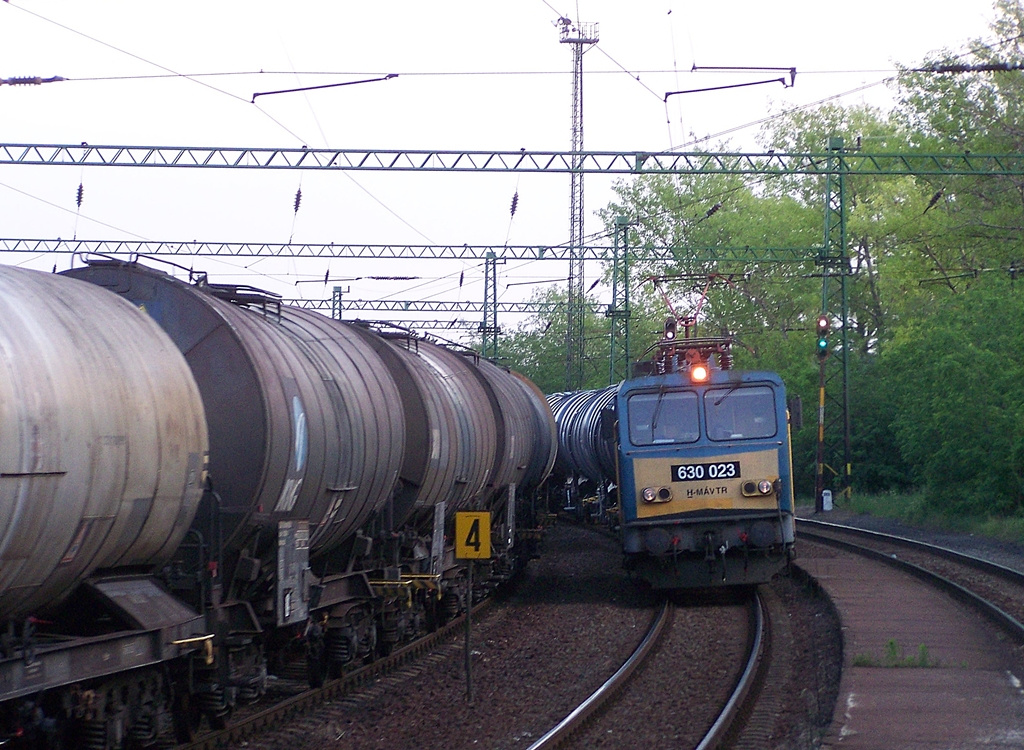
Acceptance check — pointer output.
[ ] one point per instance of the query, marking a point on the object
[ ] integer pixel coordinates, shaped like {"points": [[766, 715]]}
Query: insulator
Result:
{"points": [[298, 199], [725, 360], [712, 211], [515, 202], [24, 81], [81, 192]]}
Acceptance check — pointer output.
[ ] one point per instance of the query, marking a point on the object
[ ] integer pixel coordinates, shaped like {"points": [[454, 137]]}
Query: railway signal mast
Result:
{"points": [[578, 35]]}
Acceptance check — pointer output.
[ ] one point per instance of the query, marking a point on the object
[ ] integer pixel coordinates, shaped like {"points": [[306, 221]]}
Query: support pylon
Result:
{"points": [[578, 35]]}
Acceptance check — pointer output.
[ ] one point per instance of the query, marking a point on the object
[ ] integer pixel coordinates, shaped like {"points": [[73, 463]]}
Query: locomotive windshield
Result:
{"points": [[663, 417], [740, 413]]}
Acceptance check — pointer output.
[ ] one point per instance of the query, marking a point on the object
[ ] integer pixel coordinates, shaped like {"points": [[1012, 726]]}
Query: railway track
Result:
{"points": [[542, 638], [738, 703], [995, 590], [538, 654]]}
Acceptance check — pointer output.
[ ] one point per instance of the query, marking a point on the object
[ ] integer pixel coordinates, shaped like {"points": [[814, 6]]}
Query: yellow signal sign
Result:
{"points": [[473, 536]]}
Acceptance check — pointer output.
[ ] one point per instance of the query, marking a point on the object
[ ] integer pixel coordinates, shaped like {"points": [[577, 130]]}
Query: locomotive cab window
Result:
{"points": [[740, 413], [663, 417]]}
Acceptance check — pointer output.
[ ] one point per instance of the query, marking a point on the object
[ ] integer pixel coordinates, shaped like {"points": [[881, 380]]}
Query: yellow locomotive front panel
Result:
{"points": [[672, 485]]}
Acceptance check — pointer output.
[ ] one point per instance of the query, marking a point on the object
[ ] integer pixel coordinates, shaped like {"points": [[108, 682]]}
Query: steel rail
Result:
{"points": [[751, 674], [986, 566], [1009, 624], [722, 726], [575, 720]]}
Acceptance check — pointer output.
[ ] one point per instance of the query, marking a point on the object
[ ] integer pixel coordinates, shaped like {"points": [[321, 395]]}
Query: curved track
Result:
{"points": [[744, 691], [736, 705], [917, 655], [995, 590], [573, 620]]}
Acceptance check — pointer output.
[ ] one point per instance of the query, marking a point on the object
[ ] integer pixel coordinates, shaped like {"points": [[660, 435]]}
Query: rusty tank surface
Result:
{"points": [[299, 427], [476, 433], [103, 438]]}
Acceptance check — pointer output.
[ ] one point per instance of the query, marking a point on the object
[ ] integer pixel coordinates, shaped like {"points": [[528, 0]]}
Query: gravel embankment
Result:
{"points": [[568, 625]]}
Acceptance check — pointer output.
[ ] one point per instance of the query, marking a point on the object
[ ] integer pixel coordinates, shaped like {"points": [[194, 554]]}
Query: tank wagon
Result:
{"points": [[702, 469], [586, 461], [201, 484]]}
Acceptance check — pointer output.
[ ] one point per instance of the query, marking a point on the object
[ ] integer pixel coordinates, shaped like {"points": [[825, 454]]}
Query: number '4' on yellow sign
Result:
{"points": [[473, 536]]}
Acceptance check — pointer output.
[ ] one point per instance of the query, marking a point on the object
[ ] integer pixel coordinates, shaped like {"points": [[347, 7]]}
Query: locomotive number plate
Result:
{"points": [[701, 472]]}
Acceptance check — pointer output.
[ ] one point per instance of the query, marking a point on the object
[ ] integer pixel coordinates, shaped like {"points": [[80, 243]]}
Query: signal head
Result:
{"points": [[823, 328], [670, 328]]}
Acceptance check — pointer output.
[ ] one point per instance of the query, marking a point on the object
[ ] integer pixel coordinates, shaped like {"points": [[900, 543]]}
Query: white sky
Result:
{"points": [[472, 76]]}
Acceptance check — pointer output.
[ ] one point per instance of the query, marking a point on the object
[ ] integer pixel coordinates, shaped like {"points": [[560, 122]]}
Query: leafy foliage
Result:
{"points": [[956, 378]]}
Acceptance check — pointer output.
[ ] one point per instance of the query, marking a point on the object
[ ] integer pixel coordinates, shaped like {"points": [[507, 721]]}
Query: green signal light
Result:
{"points": [[823, 326]]}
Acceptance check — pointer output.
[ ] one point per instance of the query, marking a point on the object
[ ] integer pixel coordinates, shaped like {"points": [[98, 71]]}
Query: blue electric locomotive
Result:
{"points": [[704, 468]]}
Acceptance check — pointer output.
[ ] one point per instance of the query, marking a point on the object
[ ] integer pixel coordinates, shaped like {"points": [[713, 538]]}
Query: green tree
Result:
{"points": [[970, 225], [955, 375]]}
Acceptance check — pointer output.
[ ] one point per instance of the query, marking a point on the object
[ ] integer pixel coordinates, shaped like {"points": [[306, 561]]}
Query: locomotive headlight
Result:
{"points": [[699, 372], [752, 488], [656, 494]]}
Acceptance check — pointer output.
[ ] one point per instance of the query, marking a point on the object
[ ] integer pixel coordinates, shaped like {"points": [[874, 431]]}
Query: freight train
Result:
{"points": [[200, 485], [697, 456]]}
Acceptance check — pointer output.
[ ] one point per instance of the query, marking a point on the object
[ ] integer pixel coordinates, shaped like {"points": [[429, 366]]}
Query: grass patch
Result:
{"points": [[894, 658], [909, 507], [1011, 529]]}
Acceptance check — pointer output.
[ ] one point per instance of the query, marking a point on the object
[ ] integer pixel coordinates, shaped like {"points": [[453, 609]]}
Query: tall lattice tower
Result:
{"points": [[578, 35]]}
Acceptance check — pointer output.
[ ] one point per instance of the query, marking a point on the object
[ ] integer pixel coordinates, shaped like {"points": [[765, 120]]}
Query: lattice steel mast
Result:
{"points": [[577, 35], [489, 329], [618, 311], [835, 466]]}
